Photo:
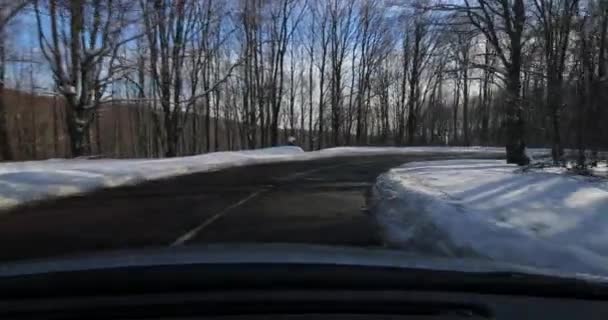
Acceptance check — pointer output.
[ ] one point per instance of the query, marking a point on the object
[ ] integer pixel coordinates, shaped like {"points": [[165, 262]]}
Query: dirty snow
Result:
{"points": [[485, 208], [36, 180]]}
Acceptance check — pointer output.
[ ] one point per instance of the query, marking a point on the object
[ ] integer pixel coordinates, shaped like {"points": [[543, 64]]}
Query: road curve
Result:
{"points": [[319, 202]]}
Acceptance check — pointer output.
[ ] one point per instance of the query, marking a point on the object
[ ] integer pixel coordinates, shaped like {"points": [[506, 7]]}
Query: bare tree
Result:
{"points": [[589, 70], [81, 40], [282, 29], [464, 43], [493, 17], [402, 105], [420, 54], [311, 84], [485, 92], [375, 46], [502, 23], [555, 20], [178, 33], [329, 72], [341, 31], [8, 10], [322, 66], [251, 79]]}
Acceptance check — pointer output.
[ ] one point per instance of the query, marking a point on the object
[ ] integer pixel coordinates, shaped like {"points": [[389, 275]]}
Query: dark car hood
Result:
{"points": [[274, 254]]}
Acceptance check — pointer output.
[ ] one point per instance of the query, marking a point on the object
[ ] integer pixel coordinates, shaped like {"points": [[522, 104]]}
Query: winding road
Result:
{"points": [[317, 202]]}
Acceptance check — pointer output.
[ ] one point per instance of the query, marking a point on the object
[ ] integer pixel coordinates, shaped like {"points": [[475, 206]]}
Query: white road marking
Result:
{"points": [[190, 234]]}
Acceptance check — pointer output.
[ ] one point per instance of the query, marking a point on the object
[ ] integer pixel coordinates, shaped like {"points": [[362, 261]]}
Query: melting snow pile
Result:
{"points": [[485, 208]]}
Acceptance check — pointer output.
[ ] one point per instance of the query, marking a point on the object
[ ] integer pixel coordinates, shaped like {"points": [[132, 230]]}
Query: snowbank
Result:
{"points": [[485, 208], [533, 153], [408, 150], [35, 180]]}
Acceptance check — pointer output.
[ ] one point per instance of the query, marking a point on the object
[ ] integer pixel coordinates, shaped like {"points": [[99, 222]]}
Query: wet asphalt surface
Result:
{"points": [[314, 202]]}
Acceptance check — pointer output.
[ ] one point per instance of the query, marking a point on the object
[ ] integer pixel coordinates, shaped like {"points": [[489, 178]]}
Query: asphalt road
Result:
{"points": [[320, 202]]}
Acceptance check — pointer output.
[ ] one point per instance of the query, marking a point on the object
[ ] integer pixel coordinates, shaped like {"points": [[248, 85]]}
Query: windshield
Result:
{"points": [[445, 129]]}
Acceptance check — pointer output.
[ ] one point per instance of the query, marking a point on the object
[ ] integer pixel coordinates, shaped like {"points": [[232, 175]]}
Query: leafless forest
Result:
{"points": [[152, 78]]}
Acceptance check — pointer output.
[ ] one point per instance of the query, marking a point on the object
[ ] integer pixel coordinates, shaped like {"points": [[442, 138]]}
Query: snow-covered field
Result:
{"points": [[36, 180], [485, 208]]}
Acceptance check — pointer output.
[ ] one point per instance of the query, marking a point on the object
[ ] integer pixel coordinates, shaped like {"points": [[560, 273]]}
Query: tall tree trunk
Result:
{"points": [[302, 129], [78, 121], [465, 105], [412, 120], [403, 92], [516, 146], [485, 100], [259, 87], [292, 94], [554, 98], [55, 127], [5, 148], [216, 122], [321, 103], [598, 102], [310, 93], [207, 101], [515, 122], [172, 136]]}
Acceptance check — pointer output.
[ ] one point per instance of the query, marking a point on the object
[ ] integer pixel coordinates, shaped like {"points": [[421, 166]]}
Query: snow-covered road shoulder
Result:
{"points": [[485, 208], [22, 182]]}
